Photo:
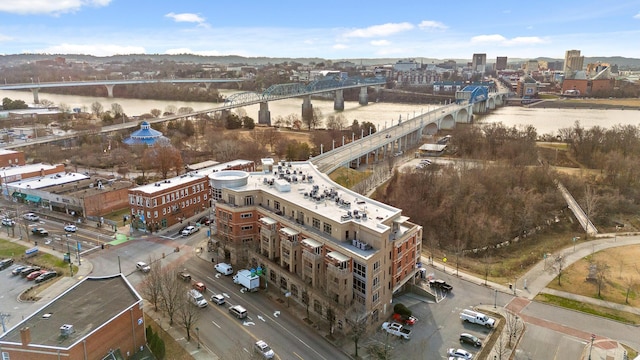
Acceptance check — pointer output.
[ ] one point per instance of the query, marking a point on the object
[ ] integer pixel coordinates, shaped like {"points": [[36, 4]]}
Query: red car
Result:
{"points": [[411, 320], [35, 274]]}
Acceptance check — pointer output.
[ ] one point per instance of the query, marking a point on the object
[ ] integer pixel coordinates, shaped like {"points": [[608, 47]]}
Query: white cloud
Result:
{"points": [[53, 7], [186, 17], [380, 30], [94, 49], [380, 43], [432, 25], [189, 51], [525, 40], [5, 38], [488, 38], [340, 46], [500, 40], [636, 16]]}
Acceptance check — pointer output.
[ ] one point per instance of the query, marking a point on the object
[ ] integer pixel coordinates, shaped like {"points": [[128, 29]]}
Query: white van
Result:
{"points": [[224, 269], [238, 311], [197, 299]]}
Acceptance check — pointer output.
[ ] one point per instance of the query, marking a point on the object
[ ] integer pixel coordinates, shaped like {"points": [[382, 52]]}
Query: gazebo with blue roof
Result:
{"points": [[146, 135]]}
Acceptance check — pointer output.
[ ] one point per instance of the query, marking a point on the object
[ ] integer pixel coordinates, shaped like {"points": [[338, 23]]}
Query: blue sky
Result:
{"points": [[326, 29]]}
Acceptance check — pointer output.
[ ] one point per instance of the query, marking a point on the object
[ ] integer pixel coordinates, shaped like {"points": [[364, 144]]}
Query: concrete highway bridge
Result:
{"points": [[109, 84], [405, 134]]}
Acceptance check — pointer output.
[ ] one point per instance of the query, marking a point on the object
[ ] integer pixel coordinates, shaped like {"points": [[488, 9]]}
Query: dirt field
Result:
{"points": [[623, 273]]}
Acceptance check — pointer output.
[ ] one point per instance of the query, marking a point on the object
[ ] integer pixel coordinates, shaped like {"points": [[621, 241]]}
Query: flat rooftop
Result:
{"points": [[46, 181], [332, 201], [86, 306]]}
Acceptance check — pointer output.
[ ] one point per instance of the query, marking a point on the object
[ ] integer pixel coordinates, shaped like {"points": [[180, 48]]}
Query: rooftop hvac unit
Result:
{"points": [[66, 330]]}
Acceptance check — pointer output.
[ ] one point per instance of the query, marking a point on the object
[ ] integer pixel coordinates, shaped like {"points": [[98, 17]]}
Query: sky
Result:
{"points": [[326, 29]]}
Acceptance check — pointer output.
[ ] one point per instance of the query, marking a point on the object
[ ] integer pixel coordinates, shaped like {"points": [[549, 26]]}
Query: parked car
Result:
{"points": [[405, 320], [33, 275], [70, 228], [8, 222], [28, 270], [31, 217], [218, 299], [5, 263], [18, 269], [40, 231], [202, 288], [440, 284], [184, 275], [263, 349], [470, 339], [189, 230], [460, 354], [142, 266], [46, 276]]}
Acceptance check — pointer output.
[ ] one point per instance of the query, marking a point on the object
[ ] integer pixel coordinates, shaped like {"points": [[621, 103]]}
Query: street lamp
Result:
{"points": [[593, 337], [198, 336], [495, 298], [69, 254]]}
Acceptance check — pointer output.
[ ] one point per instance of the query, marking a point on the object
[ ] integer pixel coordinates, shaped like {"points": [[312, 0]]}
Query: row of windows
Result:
{"points": [[166, 198]]}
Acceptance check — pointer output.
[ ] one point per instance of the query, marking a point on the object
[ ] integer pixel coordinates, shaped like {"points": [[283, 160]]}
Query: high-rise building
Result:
{"points": [[501, 63], [572, 62], [479, 63]]}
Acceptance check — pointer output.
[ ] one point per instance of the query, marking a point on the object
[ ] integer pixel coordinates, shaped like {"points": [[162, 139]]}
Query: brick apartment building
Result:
{"points": [[11, 158], [96, 317], [323, 245], [168, 202]]}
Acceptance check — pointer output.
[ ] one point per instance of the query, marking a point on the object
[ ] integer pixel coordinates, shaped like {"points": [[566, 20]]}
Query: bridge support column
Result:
{"points": [[363, 98], [36, 99], [338, 101], [109, 90], [264, 115], [224, 115], [307, 108]]}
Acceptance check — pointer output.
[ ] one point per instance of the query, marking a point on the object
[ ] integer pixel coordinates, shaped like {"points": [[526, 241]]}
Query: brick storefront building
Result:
{"points": [[96, 317]]}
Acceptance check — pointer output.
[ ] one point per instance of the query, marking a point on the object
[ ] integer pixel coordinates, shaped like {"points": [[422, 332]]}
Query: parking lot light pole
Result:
{"points": [[198, 336], [593, 337], [69, 253], [495, 298]]}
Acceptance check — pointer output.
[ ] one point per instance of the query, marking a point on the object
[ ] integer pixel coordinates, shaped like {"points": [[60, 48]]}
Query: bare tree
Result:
{"points": [[501, 347], [152, 284], [558, 266], [357, 319], [385, 346], [512, 326], [188, 314], [486, 264], [590, 203], [629, 282], [601, 274], [96, 108], [156, 112], [173, 290]]}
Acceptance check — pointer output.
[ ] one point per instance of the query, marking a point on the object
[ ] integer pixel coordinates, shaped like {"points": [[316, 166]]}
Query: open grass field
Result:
{"points": [[623, 274]]}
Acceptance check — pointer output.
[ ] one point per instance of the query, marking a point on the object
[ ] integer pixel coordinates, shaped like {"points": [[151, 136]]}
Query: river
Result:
{"points": [[546, 121]]}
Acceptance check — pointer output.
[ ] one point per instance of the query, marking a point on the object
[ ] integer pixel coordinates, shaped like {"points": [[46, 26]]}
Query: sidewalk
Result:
{"points": [[537, 278]]}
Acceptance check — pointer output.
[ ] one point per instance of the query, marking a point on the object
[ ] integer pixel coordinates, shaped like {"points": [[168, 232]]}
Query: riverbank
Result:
{"points": [[602, 104]]}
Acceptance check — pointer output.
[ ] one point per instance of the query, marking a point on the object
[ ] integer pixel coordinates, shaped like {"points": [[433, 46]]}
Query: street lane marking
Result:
{"points": [[214, 323]]}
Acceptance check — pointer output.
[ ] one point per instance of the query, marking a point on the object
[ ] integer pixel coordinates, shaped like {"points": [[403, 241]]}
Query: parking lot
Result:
{"points": [[13, 286]]}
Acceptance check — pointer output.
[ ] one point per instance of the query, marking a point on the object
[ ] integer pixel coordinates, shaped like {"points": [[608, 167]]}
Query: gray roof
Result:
{"points": [[87, 306]]}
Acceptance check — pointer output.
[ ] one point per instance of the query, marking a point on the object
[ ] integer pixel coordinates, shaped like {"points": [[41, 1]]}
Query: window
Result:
{"points": [[316, 223], [376, 266], [360, 269], [327, 228], [248, 200], [376, 282], [246, 215], [317, 307], [276, 205], [246, 227], [359, 286], [155, 214], [5, 355], [376, 297]]}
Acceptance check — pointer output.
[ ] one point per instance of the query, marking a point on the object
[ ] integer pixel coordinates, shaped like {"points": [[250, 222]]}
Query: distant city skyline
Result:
{"points": [[328, 29]]}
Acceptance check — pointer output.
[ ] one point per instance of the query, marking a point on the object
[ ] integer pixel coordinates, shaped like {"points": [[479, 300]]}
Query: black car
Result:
{"points": [[46, 276], [28, 270], [5, 263], [440, 284], [470, 339]]}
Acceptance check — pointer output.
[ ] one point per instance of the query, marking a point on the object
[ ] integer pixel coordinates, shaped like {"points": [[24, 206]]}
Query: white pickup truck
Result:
{"points": [[477, 318], [396, 329]]}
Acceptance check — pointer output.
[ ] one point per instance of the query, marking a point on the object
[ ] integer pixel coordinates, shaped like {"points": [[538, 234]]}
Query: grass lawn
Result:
{"points": [[622, 274]]}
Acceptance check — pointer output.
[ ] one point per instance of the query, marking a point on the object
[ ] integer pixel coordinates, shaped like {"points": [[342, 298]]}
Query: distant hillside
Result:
{"points": [[15, 59]]}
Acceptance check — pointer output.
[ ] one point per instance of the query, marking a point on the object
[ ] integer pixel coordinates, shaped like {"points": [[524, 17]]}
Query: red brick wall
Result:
{"points": [[117, 334], [105, 202], [12, 159]]}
